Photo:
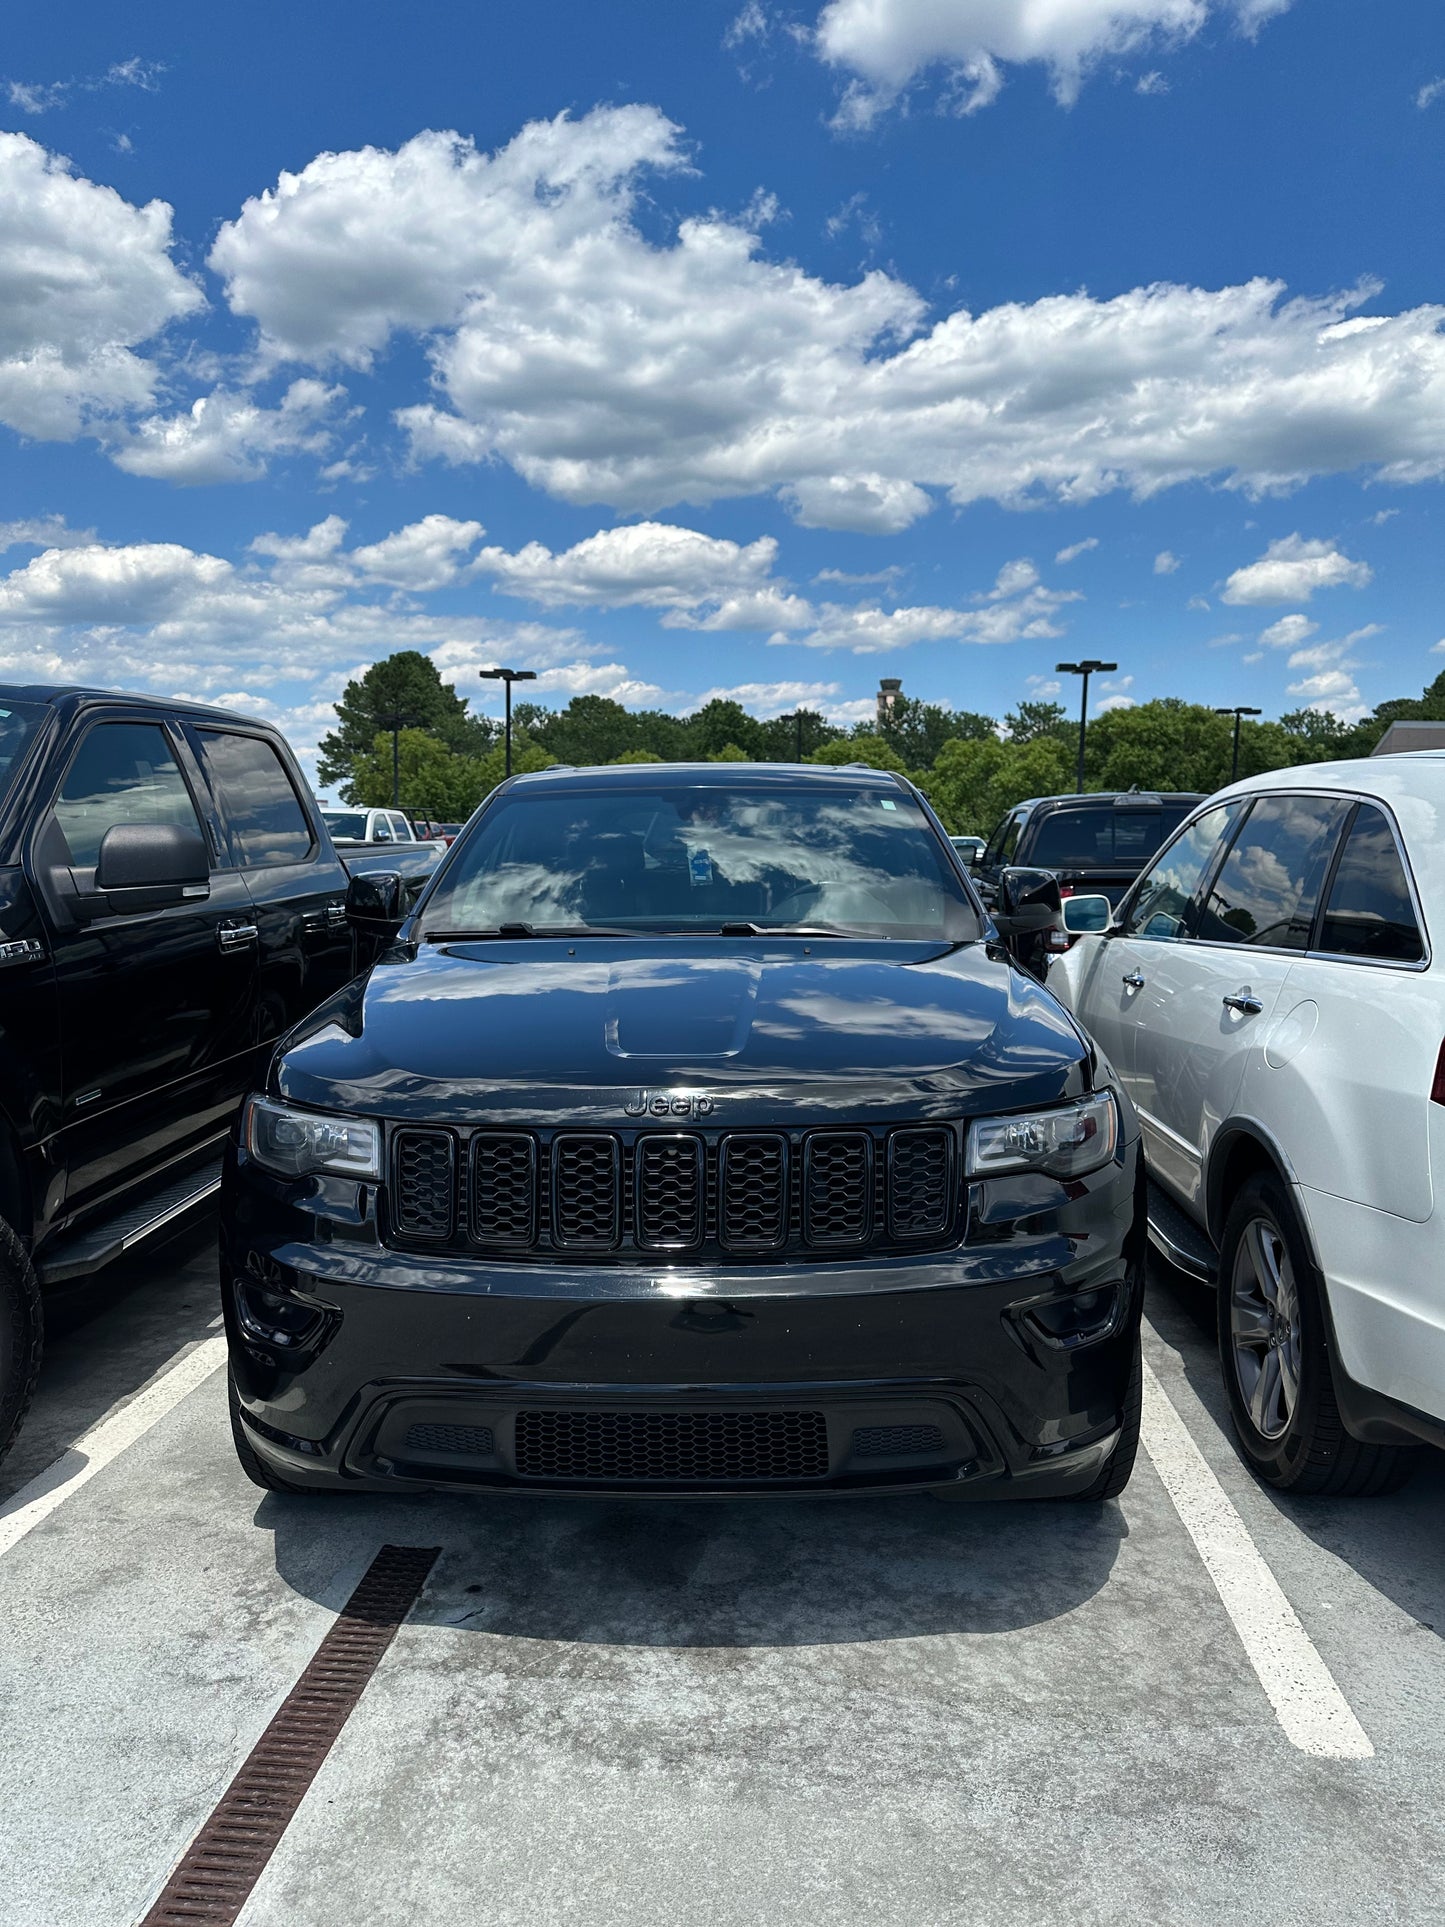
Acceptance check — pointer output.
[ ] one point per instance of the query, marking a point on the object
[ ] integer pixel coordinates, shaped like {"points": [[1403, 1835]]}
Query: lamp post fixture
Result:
{"points": [[1237, 712], [395, 721], [508, 676], [797, 720], [1084, 669]]}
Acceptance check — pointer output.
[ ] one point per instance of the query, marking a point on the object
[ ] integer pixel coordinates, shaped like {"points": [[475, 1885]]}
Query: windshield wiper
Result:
{"points": [[788, 930], [505, 930]]}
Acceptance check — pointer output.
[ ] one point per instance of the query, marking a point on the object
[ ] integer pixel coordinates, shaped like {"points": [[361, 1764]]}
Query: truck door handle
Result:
{"points": [[1246, 1006], [236, 936], [1133, 980]]}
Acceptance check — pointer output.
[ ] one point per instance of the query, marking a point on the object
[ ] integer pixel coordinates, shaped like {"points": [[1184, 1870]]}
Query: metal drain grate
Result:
{"points": [[225, 1860], [473, 1440]]}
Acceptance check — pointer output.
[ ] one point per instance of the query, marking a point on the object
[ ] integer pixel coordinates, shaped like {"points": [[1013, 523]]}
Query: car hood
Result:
{"points": [[553, 1032]]}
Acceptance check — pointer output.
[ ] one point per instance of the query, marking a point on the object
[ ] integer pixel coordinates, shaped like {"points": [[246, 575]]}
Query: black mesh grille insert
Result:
{"points": [[669, 1192], [754, 1191], [722, 1448], [895, 1441], [920, 1190], [586, 1193], [423, 1194], [837, 1188], [504, 1188], [465, 1441]]}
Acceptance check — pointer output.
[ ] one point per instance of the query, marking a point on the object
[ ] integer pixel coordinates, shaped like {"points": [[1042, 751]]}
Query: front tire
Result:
{"points": [[22, 1330], [1274, 1348]]}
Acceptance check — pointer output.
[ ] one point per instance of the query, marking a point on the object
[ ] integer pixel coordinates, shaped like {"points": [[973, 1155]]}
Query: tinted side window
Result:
{"points": [[266, 819], [122, 773], [1269, 889], [401, 829], [1370, 912], [1167, 891]]}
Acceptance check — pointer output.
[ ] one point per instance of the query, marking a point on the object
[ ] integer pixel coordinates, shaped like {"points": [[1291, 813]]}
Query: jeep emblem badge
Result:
{"points": [[667, 1104]]}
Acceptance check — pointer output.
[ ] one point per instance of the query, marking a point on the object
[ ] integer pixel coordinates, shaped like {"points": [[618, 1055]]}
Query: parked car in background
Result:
{"points": [[170, 904], [383, 840], [697, 1134], [970, 848], [443, 833], [1091, 842], [1269, 996]]}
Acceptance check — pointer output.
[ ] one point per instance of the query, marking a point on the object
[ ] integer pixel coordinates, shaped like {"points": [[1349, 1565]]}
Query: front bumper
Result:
{"points": [[1000, 1366]]}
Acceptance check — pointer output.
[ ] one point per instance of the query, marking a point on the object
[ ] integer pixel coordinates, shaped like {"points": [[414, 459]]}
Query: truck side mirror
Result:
{"points": [[147, 865], [376, 904], [1029, 901]]}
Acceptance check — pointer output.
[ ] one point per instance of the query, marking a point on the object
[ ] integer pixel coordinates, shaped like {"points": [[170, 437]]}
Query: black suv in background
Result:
{"points": [[698, 1134], [1093, 843], [170, 903]]}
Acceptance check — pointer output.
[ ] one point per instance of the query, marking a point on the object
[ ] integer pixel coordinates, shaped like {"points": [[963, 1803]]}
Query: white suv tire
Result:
{"points": [[1274, 1347]]}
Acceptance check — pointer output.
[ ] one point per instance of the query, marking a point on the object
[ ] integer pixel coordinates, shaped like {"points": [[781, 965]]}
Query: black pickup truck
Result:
{"points": [[170, 904]]}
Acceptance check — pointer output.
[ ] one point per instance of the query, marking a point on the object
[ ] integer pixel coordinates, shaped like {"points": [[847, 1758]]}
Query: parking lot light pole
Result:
{"points": [[1237, 713], [396, 720], [1084, 669], [508, 676]]}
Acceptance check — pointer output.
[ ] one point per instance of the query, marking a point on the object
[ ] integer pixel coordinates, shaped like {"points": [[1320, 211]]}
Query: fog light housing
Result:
{"points": [[269, 1318], [1079, 1318]]}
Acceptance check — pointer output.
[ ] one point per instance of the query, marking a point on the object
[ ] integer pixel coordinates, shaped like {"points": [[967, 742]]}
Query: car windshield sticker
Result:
{"points": [[699, 867], [888, 804]]}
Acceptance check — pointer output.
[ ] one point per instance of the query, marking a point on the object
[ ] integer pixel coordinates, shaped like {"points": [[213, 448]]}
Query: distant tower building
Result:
{"points": [[890, 688]]}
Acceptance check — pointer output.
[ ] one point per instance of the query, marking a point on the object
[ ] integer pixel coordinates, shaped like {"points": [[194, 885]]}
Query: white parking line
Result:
{"points": [[1314, 1713], [95, 1450]]}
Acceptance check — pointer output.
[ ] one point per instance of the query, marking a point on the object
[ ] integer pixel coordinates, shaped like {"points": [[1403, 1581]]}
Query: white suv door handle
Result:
{"points": [[1246, 1006], [1133, 980]]}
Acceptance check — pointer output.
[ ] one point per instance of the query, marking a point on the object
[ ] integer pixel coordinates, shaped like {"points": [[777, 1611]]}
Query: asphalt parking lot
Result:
{"points": [[886, 1712]]}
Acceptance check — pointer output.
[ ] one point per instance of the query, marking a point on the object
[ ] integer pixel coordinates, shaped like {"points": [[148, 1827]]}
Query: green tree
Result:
{"points": [[637, 756], [973, 784], [918, 730], [404, 685], [729, 753], [1034, 719], [434, 781], [872, 750], [720, 725]]}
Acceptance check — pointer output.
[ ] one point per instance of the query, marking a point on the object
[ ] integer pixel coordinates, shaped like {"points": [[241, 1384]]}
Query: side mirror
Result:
{"points": [[1087, 916], [144, 866], [1029, 902], [376, 904]]}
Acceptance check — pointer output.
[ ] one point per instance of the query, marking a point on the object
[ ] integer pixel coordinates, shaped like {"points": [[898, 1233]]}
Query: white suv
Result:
{"points": [[1268, 996]]}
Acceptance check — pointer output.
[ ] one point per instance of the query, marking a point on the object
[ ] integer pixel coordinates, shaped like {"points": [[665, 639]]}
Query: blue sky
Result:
{"points": [[726, 348]]}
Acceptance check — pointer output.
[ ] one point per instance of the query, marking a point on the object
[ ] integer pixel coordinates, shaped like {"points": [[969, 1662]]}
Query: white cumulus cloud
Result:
{"points": [[1288, 633], [642, 370], [1165, 563], [1076, 549], [644, 564], [887, 44], [230, 437], [85, 280], [1291, 569]]}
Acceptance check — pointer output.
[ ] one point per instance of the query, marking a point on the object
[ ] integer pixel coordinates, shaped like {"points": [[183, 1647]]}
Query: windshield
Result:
{"points": [[18, 723], [346, 824], [1104, 837], [699, 857]]}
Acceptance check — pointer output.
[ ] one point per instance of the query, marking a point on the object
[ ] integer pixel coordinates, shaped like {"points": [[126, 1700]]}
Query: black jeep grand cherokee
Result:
{"points": [[697, 1134]]}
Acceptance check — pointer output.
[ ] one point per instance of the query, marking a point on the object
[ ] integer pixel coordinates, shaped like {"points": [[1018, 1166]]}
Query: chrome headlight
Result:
{"points": [[295, 1143], [1065, 1141]]}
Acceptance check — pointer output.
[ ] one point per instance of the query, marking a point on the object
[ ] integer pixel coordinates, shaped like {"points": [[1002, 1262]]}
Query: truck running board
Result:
{"points": [[97, 1245], [1176, 1237]]}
